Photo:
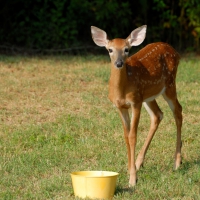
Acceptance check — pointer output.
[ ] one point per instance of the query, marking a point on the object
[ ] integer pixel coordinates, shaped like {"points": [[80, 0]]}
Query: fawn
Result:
{"points": [[138, 80]]}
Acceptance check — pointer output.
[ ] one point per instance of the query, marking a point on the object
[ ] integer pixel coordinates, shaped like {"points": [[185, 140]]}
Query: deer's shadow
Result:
{"points": [[184, 168], [119, 190]]}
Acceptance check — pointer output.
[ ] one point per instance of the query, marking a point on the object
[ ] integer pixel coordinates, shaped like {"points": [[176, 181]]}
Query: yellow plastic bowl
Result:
{"points": [[94, 184]]}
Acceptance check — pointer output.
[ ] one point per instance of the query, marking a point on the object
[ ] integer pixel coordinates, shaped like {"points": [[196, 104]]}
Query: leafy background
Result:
{"points": [[65, 24]]}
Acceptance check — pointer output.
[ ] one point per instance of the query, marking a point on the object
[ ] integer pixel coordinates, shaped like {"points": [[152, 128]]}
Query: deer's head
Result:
{"points": [[118, 48]]}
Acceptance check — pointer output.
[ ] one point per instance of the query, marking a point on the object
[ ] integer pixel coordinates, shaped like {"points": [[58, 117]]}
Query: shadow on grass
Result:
{"points": [[186, 165], [183, 170], [119, 190]]}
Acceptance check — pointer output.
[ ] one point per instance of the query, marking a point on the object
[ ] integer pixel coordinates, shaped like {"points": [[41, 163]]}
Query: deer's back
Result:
{"points": [[155, 58], [153, 67]]}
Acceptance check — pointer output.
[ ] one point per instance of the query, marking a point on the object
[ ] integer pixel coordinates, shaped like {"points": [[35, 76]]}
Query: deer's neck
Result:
{"points": [[118, 77], [118, 83]]}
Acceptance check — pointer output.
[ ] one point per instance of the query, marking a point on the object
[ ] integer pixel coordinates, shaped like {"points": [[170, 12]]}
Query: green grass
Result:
{"points": [[55, 118]]}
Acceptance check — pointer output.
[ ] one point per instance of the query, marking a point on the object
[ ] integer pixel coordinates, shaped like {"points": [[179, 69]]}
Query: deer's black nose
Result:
{"points": [[119, 63]]}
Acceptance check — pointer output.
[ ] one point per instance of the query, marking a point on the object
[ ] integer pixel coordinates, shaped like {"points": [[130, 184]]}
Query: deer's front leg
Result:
{"points": [[124, 114], [132, 137], [130, 134]]}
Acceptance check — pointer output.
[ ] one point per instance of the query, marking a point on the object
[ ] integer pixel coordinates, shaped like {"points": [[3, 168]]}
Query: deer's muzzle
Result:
{"points": [[119, 63]]}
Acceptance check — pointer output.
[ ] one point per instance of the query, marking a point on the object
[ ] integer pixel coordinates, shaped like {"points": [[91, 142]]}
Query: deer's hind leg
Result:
{"points": [[171, 98], [156, 116]]}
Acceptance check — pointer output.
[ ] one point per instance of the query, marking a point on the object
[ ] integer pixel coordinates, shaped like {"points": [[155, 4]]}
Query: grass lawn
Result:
{"points": [[55, 118]]}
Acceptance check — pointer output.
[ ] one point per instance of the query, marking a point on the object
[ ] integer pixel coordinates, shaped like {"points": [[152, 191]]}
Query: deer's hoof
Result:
{"points": [[132, 183]]}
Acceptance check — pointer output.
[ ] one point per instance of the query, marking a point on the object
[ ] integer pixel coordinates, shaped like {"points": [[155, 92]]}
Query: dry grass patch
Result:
{"points": [[37, 90]]}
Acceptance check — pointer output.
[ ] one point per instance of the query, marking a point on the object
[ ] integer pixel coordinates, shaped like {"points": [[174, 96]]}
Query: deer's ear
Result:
{"points": [[137, 36], [99, 36]]}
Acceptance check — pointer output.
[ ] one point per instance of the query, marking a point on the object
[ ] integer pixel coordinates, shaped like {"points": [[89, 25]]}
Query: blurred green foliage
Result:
{"points": [[54, 24]]}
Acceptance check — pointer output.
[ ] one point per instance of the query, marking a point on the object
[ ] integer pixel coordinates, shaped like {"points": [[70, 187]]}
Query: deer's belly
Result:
{"points": [[151, 98]]}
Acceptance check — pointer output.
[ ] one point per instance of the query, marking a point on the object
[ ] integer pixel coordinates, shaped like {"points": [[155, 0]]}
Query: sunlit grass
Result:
{"points": [[55, 118]]}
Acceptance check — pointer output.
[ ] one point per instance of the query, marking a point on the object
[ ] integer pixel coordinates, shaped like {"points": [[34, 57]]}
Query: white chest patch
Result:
{"points": [[154, 96]]}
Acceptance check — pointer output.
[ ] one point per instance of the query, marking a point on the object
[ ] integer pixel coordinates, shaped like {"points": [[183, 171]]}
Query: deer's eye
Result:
{"points": [[110, 50], [126, 50]]}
